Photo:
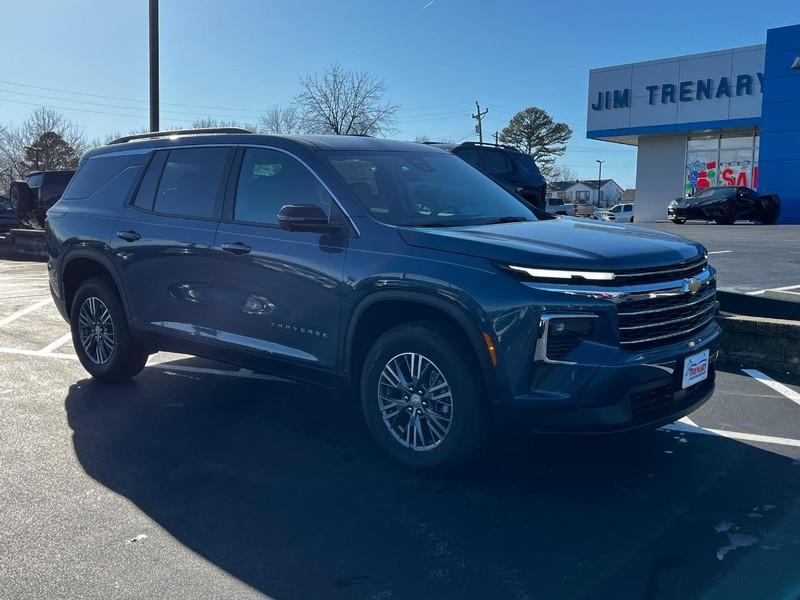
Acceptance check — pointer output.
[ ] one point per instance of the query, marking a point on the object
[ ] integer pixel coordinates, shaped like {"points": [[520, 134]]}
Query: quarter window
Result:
{"points": [[191, 181], [269, 180]]}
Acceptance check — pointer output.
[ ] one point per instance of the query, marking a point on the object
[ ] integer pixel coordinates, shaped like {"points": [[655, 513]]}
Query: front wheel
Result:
{"points": [[422, 398], [100, 334], [678, 221]]}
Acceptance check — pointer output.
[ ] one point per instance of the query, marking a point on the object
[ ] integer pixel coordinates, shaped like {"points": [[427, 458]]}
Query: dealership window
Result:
{"points": [[719, 160]]}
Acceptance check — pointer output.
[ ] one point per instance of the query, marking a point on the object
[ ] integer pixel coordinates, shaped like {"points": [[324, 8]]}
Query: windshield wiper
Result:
{"points": [[505, 220]]}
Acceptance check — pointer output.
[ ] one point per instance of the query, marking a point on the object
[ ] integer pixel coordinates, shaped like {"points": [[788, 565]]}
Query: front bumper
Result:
{"points": [[641, 391]]}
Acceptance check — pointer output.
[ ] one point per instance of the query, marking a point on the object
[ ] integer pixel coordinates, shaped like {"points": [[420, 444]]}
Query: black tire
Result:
{"points": [[678, 221], [126, 357], [724, 220], [467, 432]]}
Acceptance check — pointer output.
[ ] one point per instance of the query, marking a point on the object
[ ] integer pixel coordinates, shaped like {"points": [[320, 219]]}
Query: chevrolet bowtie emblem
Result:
{"points": [[796, 63], [691, 286]]}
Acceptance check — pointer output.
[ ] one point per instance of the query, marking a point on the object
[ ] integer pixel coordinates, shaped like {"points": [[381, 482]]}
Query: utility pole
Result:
{"points": [[479, 117], [35, 150], [154, 65], [599, 178], [496, 138]]}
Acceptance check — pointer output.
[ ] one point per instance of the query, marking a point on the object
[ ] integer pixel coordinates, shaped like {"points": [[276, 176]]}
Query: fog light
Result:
{"points": [[565, 333]]}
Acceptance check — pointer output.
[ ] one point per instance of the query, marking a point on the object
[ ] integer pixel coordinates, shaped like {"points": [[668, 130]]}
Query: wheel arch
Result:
{"points": [[369, 320], [80, 265]]}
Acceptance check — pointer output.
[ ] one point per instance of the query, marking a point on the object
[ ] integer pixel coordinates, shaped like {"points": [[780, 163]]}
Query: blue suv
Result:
{"points": [[446, 304]]}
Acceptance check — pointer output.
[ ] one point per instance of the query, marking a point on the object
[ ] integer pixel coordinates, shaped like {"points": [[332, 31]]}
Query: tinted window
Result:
{"points": [[424, 188], [146, 194], [494, 162], [191, 181], [469, 155], [96, 172], [628, 208], [35, 181], [269, 180]]}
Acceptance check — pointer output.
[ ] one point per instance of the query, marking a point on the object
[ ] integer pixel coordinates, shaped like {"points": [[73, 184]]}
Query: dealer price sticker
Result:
{"points": [[695, 369]]}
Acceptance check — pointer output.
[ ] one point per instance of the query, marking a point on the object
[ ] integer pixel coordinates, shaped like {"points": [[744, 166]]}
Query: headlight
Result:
{"points": [[674, 203], [562, 274]]}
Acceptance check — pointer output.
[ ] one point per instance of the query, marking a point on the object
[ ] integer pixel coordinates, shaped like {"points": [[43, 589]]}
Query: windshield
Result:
{"points": [[425, 189]]}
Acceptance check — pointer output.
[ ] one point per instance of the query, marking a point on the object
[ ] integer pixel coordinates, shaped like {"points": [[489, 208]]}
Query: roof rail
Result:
{"points": [[489, 144], [160, 134]]}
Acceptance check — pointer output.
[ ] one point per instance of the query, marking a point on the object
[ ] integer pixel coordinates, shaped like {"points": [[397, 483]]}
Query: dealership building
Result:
{"points": [[730, 117]]}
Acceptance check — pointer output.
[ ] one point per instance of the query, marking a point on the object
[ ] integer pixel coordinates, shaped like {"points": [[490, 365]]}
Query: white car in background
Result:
{"points": [[557, 206], [621, 213]]}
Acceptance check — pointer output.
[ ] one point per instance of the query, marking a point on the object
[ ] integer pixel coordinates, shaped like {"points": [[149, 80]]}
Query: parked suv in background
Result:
{"points": [[40, 190], [514, 170], [389, 268]]}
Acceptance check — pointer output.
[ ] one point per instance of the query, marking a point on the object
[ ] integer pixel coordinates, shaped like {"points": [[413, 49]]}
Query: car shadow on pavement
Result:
{"points": [[280, 486]]}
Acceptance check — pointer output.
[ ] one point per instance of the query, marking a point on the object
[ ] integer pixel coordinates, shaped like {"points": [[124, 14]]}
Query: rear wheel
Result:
{"points": [[100, 333], [422, 398], [678, 221]]}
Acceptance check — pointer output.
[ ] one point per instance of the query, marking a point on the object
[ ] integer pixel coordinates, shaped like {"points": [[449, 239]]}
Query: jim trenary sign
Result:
{"points": [[694, 90]]}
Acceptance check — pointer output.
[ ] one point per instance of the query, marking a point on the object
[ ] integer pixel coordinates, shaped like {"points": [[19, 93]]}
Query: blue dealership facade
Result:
{"points": [[730, 117]]}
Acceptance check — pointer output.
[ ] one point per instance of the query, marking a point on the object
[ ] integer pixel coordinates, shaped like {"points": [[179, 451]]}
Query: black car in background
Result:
{"points": [[40, 190], [725, 205], [8, 218], [512, 169]]}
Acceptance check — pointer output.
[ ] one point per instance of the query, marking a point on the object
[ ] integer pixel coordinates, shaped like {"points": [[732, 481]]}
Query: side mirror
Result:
{"points": [[305, 217]]}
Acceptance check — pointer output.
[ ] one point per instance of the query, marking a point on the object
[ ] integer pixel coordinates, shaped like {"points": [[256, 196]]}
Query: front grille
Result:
{"points": [[660, 320], [671, 273]]}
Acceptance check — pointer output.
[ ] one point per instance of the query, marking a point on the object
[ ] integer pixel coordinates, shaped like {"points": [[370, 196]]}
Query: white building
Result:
{"points": [[586, 191], [713, 119]]}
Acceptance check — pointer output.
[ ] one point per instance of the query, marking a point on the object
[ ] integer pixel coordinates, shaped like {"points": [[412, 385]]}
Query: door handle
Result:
{"points": [[236, 248], [128, 236]]}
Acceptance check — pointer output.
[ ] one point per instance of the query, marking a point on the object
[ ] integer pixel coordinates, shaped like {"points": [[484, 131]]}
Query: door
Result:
{"points": [[163, 243], [279, 292]]}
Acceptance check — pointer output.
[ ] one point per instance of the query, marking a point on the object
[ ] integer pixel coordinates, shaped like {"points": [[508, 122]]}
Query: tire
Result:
{"points": [[678, 221], [117, 360], [442, 362], [724, 220]]}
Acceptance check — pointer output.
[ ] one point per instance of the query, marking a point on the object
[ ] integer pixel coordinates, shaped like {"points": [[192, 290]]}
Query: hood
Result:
{"points": [[566, 243]]}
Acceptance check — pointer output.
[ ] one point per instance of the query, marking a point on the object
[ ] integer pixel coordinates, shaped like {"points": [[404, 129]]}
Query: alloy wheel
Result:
{"points": [[415, 401], [96, 330]]}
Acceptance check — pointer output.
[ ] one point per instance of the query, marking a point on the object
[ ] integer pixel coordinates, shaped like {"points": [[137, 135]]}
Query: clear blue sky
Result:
{"points": [[436, 57]]}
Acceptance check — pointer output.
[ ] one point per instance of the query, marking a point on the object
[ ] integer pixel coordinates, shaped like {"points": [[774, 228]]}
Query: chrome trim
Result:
{"points": [[230, 145], [669, 335], [563, 274], [705, 298], [540, 355], [670, 321], [629, 293], [695, 265]]}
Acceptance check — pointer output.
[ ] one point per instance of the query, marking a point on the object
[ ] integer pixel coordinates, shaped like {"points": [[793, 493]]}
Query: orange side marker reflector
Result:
{"points": [[490, 348]]}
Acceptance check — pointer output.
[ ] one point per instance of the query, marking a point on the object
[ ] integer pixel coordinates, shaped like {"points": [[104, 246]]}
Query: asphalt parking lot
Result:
{"points": [[198, 480], [754, 259]]}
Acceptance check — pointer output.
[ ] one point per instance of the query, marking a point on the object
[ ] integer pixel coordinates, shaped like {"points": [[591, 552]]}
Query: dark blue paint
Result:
{"points": [[290, 306]]}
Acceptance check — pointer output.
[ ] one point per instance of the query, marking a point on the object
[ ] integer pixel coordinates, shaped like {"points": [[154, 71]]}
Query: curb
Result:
{"points": [[764, 343]]}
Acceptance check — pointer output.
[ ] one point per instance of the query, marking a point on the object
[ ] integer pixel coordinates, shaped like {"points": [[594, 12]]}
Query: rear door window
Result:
{"points": [[191, 182]]}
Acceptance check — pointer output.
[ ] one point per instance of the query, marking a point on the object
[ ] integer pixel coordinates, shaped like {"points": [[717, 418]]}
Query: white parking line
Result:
{"points": [[165, 366], [775, 385], [24, 311], [683, 427], [56, 344], [782, 290], [721, 252]]}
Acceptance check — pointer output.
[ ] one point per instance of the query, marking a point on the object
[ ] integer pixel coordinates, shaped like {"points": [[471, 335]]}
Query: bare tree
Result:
{"points": [[563, 173], [422, 139], [282, 120], [345, 103], [210, 122], [46, 140], [534, 132]]}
